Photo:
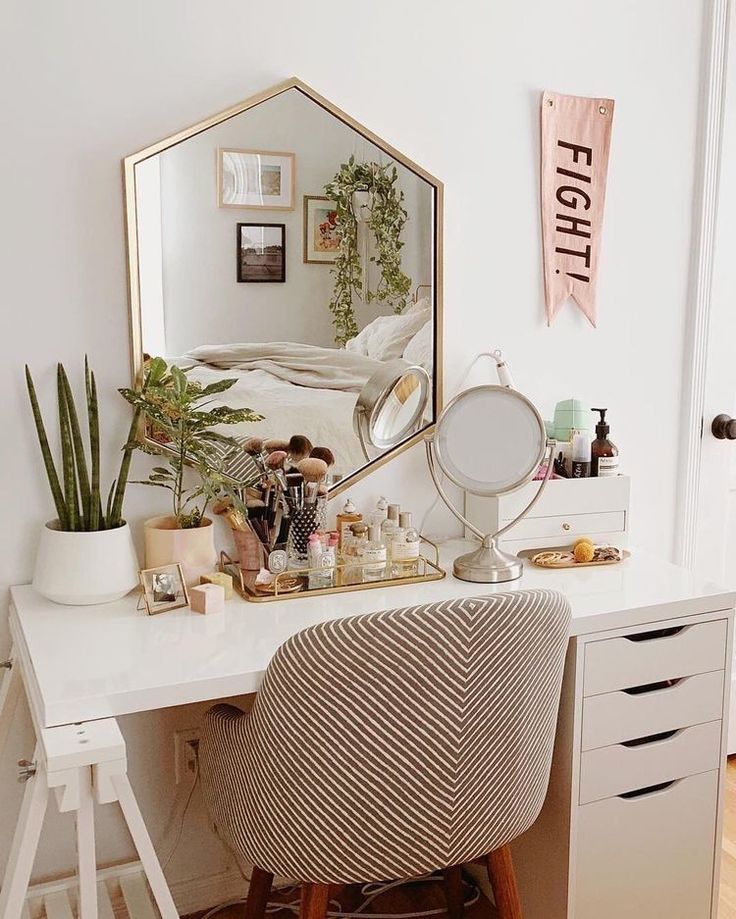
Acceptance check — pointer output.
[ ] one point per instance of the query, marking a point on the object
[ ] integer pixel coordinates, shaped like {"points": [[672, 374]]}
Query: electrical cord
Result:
{"points": [[370, 893], [180, 830]]}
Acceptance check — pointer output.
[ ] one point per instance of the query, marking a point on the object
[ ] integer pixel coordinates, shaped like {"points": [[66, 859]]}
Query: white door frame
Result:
{"points": [[699, 334]]}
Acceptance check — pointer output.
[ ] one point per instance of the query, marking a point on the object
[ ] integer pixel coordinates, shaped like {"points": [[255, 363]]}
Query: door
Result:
{"points": [[710, 530]]}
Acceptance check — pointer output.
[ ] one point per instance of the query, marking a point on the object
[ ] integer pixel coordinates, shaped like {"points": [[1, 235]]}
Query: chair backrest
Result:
{"points": [[394, 743]]}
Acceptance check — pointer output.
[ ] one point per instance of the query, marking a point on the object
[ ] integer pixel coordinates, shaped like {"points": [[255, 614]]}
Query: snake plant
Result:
{"points": [[75, 482]]}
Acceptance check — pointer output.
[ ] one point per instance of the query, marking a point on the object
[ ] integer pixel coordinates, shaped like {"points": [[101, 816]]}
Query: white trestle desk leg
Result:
{"points": [[142, 842], [25, 843], [9, 692], [86, 859]]}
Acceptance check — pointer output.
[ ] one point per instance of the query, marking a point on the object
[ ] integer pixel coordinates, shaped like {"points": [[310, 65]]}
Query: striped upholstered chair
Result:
{"points": [[392, 744]]}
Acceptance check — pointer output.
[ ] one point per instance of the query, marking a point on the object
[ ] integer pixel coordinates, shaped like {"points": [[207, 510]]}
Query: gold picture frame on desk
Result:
{"points": [[293, 583]]}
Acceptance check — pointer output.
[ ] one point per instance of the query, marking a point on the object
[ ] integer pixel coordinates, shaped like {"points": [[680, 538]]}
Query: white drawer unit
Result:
{"points": [[567, 509], [636, 786], [648, 856], [614, 717], [667, 653], [626, 767]]}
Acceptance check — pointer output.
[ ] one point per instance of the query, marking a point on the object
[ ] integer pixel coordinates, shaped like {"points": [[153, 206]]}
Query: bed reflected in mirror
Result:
{"points": [[283, 245]]}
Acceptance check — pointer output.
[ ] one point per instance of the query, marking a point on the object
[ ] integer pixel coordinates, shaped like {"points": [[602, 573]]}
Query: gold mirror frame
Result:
{"points": [[131, 233]]}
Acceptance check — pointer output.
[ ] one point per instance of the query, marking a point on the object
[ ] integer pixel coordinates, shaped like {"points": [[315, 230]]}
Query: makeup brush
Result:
{"points": [[276, 459], [253, 446], [299, 448], [235, 518], [313, 469], [323, 453]]}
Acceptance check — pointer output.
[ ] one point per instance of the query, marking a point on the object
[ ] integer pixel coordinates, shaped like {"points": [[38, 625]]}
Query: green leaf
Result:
{"points": [[48, 460]]}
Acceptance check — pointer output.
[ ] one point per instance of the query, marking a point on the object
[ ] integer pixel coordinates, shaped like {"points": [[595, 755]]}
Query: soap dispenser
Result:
{"points": [[603, 452]]}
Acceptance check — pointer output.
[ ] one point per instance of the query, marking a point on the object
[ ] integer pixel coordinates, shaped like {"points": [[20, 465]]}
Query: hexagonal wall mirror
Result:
{"points": [[282, 244]]}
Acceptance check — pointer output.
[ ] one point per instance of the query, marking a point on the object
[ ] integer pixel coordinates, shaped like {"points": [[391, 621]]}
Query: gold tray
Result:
{"points": [[346, 578], [570, 562]]}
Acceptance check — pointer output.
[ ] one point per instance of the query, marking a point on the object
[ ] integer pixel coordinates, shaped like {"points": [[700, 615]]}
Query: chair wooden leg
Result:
{"points": [[452, 881], [503, 881], [314, 901], [258, 893]]}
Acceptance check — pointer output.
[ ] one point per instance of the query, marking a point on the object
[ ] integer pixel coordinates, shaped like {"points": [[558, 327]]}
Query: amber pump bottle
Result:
{"points": [[603, 452]]}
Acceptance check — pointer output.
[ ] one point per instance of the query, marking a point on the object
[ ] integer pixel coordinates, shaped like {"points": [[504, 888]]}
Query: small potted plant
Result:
{"points": [[177, 412], [86, 555]]}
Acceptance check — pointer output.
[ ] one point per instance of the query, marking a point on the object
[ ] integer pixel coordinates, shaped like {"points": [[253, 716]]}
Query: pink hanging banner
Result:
{"points": [[576, 136]]}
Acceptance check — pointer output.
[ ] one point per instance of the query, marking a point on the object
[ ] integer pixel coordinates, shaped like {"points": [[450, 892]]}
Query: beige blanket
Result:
{"points": [[303, 365]]}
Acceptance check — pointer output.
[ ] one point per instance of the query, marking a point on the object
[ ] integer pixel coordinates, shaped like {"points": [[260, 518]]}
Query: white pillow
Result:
{"points": [[420, 349], [385, 338], [421, 305]]}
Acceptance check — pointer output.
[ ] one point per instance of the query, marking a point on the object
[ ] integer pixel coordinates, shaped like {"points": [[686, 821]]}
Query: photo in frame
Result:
{"points": [[256, 178], [163, 589], [321, 242], [261, 252]]}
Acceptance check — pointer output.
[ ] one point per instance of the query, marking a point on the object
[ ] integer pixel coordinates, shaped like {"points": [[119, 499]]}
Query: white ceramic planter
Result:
{"points": [[80, 569], [193, 549]]}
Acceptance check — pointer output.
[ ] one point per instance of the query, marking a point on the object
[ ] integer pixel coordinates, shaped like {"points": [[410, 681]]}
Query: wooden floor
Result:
{"points": [[410, 899], [727, 900]]}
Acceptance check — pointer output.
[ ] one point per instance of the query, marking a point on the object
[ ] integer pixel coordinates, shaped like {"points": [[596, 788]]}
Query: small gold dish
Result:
{"points": [[562, 557]]}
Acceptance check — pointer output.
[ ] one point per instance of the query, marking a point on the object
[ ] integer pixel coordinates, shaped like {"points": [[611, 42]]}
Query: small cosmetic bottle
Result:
{"points": [[352, 549], [389, 525], [405, 548], [349, 514], [580, 455], [381, 511], [604, 452], [373, 556]]}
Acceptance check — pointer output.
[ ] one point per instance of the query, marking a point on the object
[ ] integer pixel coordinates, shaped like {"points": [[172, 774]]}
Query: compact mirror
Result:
{"points": [[392, 405], [257, 242], [489, 440]]}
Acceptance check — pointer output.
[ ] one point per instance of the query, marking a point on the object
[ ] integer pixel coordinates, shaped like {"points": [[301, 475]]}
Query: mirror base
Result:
{"points": [[488, 565]]}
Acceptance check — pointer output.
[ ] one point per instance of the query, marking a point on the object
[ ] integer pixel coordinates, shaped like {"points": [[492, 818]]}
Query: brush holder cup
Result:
{"points": [[305, 520]]}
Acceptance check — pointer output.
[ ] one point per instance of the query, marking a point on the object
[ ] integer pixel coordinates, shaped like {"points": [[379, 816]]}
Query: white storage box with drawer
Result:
{"points": [[568, 508], [637, 778]]}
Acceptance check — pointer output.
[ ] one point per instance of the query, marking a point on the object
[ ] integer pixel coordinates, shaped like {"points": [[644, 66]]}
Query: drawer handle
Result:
{"points": [[649, 790], [650, 738], [652, 687], [566, 526], [656, 633]]}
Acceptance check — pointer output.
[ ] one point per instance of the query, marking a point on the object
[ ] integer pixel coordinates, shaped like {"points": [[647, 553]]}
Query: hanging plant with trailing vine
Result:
{"points": [[385, 223]]}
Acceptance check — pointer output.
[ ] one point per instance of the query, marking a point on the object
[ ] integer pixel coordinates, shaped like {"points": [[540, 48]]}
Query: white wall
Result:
{"points": [[203, 301], [456, 87]]}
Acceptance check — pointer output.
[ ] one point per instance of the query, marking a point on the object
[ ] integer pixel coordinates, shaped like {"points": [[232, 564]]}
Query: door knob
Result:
{"points": [[724, 427]]}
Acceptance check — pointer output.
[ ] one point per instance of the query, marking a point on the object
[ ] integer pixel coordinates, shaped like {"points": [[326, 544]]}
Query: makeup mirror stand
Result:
{"points": [[487, 564]]}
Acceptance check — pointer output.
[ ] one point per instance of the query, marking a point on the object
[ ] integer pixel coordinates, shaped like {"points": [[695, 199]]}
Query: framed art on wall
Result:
{"points": [[261, 252], [320, 230], [255, 178]]}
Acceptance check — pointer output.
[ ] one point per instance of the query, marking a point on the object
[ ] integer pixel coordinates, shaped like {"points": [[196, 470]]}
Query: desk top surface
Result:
{"points": [[87, 662]]}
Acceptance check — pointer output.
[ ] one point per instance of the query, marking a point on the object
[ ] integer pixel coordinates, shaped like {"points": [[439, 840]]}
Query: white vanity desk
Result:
{"points": [[593, 854]]}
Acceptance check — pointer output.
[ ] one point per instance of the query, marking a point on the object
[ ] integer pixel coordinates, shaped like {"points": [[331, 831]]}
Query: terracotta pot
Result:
{"points": [[81, 569], [193, 549]]}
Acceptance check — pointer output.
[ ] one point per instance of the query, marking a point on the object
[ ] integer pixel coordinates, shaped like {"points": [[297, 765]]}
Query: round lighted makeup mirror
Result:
{"points": [[489, 440], [391, 405]]}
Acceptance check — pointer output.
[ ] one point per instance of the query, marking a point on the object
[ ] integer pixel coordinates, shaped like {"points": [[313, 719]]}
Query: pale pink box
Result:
{"points": [[207, 598]]}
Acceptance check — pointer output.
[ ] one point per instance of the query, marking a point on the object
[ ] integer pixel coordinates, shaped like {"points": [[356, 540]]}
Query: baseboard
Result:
{"points": [[121, 889]]}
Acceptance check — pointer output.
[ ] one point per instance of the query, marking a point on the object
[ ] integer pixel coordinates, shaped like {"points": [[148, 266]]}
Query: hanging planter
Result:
{"points": [[367, 192]]}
